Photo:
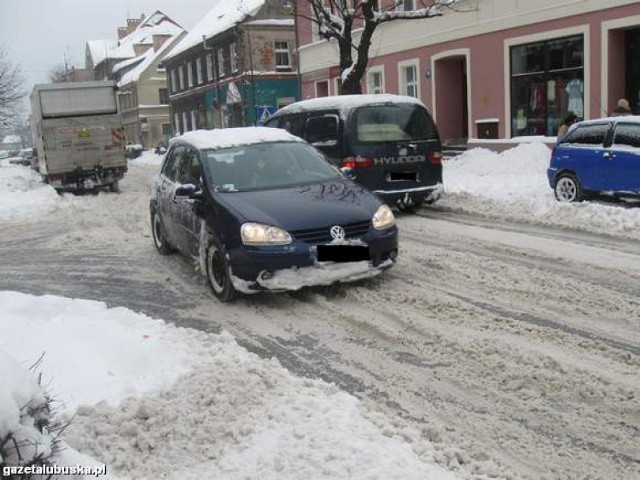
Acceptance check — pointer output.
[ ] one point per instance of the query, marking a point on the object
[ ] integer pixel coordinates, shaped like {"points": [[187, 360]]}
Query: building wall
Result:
{"points": [[483, 38]]}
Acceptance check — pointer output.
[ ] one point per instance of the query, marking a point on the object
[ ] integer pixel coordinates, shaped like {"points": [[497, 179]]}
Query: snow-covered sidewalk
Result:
{"points": [[152, 400]]}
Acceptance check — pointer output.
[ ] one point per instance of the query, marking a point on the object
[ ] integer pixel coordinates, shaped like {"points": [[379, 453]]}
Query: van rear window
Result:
{"points": [[392, 123]]}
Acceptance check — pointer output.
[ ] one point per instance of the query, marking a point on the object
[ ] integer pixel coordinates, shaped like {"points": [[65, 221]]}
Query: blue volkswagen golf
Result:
{"points": [[260, 209], [597, 157]]}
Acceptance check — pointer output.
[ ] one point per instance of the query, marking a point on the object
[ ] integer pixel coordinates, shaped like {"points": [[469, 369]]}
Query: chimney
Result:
{"points": [[140, 48], [158, 40], [132, 24], [122, 32]]}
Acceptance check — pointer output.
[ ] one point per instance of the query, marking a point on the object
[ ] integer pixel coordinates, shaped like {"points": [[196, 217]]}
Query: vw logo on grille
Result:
{"points": [[337, 232]]}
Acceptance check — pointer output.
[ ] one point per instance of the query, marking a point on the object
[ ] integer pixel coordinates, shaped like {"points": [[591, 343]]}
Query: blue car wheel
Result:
{"points": [[568, 189]]}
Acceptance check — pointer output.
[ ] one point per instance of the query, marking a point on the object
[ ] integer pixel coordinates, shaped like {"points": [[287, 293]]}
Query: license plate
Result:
{"points": [[343, 253], [400, 176]]}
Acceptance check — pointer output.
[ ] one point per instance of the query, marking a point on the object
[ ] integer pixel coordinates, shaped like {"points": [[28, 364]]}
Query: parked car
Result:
{"points": [[389, 143], [134, 150], [597, 157], [261, 209], [161, 147]]}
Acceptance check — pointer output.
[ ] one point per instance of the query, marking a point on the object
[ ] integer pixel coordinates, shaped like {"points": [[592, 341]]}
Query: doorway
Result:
{"points": [[451, 98]]}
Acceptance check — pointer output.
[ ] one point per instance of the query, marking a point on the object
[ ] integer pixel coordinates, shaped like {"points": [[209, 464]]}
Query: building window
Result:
{"points": [[174, 85], [209, 59], [194, 124], [233, 57], [176, 123], [547, 83], [322, 88], [166, 130], [282, 56], [181, 75], [199, 70], [190, 73], [409, 80], [221, 72], [404, 5], [375, 80], [185, 124], [164, 96]]}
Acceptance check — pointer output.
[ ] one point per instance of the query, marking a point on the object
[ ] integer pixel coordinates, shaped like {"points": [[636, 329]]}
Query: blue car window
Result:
{"points": [[587, 135], [627, 135]]}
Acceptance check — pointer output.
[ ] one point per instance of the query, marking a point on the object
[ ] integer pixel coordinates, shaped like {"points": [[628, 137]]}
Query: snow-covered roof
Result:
{"points": [[622, 118], [224, 15], [346, 102], [285, 22], [127, 63], [99, 49], [156, 24], [147, 59], [234, 137]]}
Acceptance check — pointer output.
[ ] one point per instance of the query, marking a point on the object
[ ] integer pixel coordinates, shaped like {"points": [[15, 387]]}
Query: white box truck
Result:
{"points": [[78, 133]]}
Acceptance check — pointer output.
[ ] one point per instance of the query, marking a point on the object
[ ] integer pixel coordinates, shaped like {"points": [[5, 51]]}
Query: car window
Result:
{"points": [[189, 169], [627, 135], [170, 167], [291, 123], [587, 135], [265, 166], [322, 130], [392, 123]]}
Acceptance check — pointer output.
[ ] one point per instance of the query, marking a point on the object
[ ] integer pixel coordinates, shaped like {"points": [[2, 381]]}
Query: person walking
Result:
{"points": [[568, 121]]}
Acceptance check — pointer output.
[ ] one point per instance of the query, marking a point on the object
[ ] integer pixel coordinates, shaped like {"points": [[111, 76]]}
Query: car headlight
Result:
{"points": [[383, 218], [260, 234]]}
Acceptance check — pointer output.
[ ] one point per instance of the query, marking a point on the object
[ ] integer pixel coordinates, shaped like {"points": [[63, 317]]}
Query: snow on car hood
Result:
{"points": [[340, 202]]}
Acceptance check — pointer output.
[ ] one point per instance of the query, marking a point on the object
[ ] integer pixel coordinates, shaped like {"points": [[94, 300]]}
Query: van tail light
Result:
{"points": [[357, 162], [435, 158]]}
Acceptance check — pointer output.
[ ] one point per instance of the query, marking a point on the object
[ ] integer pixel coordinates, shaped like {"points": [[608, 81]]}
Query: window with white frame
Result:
{"points": [[409, 80], [190, 73], [174, 85], [194, 125], [283, 61], [221, 71], [185, 125], [404, 5], [209, 59], [181, 75], [199, 70], [375, 80], [176, 123], [233, 57]]}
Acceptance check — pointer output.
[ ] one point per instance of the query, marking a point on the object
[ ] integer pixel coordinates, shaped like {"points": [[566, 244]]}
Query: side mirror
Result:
{"points": [[190, 191]]}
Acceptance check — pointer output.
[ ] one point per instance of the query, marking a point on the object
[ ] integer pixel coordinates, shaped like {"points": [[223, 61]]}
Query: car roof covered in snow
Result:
{"points": [[345, 103], [622, 118], [234, 137]]}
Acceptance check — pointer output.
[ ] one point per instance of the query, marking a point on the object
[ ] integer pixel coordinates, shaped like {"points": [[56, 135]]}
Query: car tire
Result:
{"points": [[568, 189], [159, 238], [219, 271]]}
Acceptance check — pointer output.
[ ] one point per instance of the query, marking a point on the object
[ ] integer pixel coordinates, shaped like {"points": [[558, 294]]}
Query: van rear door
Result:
{"points": [[395, 146]]}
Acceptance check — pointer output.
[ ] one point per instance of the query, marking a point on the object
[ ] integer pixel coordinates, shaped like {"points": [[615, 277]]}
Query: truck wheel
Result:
{"points": [[114, 187]]}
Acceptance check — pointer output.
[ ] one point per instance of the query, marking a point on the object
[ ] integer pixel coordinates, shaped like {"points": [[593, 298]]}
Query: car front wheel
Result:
{"points": [[568, 189], [159, 239], [219, 272]]}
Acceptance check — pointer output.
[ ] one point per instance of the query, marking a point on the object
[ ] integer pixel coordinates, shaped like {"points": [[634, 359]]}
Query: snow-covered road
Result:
{"points": [[514, 348]]}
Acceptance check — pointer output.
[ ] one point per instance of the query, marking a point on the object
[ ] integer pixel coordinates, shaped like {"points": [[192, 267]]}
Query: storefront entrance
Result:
{"points": [[632, 69]]}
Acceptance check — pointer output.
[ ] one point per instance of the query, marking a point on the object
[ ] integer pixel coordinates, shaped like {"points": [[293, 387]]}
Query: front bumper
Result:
{"points": [[295, 266]]}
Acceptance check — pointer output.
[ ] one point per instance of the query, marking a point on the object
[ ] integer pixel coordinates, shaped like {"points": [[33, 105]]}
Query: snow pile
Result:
{"points": [[23, 194], [148, 157], [233, 415], [513, 185]]}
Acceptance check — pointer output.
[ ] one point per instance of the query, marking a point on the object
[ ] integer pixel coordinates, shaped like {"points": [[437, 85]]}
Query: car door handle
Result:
{"points": [[608, 155]]}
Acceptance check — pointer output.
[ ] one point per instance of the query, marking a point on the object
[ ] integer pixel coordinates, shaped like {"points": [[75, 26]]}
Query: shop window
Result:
{"points": [[546, 85]]}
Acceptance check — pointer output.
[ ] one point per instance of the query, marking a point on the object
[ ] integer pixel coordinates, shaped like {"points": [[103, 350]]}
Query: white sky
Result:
{"points": [[38, 34]]}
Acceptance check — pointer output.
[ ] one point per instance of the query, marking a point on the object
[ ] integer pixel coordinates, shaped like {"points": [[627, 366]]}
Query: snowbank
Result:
{"points": [[23, 194], [229, 414], [148, 157], [513, 185]]}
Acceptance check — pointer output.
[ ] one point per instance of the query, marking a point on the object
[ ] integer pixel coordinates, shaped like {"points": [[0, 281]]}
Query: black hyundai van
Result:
{"points": [[387, 143]]}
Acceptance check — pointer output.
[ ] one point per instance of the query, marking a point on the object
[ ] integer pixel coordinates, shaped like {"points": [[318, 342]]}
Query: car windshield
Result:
{"points": [[393, 123], [266, 166]]}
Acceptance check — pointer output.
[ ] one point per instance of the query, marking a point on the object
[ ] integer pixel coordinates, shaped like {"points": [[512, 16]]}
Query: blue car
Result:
{"points": [[597, 157], [261, 209]]}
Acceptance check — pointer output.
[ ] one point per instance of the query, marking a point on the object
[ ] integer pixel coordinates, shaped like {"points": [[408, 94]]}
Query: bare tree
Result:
{"points": [[58, 74], [11, 92], [336, 20]]}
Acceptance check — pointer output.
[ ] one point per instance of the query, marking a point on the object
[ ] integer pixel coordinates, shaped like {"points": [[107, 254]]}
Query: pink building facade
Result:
{"points": [[502, 68]]}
